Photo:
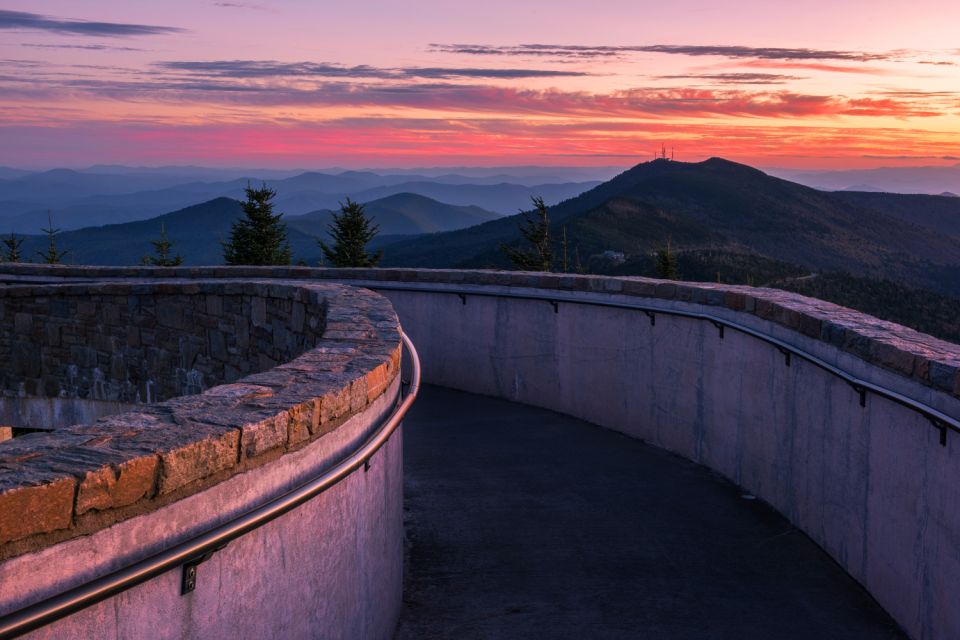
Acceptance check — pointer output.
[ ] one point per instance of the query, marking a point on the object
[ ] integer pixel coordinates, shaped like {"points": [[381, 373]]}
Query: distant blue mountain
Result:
{"points": [[82, 199], [198, 231]]}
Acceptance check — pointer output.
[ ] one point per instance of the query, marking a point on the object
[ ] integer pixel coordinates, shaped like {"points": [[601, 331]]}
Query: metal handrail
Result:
{"points": [[199, 547], [940, 421]]}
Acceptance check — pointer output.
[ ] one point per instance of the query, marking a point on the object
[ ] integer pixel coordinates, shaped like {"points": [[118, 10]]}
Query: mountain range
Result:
{"points": [[400, 214], [198, 231], [893, 255], [928, 180], [81, 199], [721, 204], [712, 206]]}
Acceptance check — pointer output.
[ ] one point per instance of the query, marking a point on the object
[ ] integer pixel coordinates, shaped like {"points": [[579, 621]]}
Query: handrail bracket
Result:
{"points": [[940, 426], [786, 354], [861, 390], [188, 579], [719, 326]]}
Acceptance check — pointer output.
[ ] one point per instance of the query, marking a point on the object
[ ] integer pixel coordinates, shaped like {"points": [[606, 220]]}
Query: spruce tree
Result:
{"points": [[52, 255], [666, 262], [351, 230], [565, 264], [258, 238], [536, 230], [162, 247], [12, 243]]}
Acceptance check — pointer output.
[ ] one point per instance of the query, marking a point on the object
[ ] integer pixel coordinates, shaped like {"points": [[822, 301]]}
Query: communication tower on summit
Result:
{"points": [[662, 155]]}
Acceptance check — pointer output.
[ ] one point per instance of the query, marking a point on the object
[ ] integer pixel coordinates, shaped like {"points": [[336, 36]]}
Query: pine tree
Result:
{"points": [[666, 262], [162, 248], [563, 244], [536, 230], [12, 243], [52, 255], [259, 238], [351, 230]]}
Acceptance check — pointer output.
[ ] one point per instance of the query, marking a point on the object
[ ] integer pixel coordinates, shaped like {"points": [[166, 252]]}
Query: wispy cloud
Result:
{"points": [[764, 53], [244, 5], [455, 72], [860, 69], [919, 94], [87, 47], [414, 141], [240, 69], [457, 97], [907, 157], [723, 51], [21, 20], [270, 69], [735, 78]]}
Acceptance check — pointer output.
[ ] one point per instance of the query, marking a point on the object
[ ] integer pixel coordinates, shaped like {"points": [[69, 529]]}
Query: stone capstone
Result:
{"points": [[153, 340]]}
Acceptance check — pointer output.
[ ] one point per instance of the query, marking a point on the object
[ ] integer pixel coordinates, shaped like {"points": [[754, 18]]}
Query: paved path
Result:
{"points": [[522, 523]]}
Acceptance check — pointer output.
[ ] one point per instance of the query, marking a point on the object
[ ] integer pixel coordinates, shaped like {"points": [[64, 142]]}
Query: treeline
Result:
{"points": [[258, 237], [925, 311]]}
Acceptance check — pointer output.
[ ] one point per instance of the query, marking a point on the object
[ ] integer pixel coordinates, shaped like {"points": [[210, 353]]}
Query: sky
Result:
{"points": [[308, 84]]}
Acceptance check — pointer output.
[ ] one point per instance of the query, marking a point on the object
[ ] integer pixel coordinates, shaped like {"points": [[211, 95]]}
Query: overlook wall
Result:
{"points": [[319, 365], [871, 481], [150, 341], [870, 484]]}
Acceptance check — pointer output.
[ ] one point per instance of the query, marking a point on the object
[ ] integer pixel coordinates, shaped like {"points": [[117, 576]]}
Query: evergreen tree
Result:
{"points": [[12, 243], [52, 255], [666, 262], [162, 248], [351, 231], [536, 230], [258, 238], [563, 244]]}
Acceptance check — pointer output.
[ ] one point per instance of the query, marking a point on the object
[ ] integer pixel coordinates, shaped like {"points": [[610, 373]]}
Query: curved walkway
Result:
{"points": [[523, 523]]}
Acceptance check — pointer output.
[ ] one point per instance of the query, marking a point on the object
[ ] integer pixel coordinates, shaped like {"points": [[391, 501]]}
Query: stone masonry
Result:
{"points": [[246, 372], [933, 362]]}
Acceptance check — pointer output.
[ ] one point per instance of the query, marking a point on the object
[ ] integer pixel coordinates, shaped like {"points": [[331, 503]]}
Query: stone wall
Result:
{"points": [[932, 362], [335, 349], [867, 479], [147, 342], [290, 378]]}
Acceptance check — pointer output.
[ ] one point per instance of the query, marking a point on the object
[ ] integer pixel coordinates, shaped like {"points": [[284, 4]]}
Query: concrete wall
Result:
{"points": [[81, 501], [872, 485], [332, 568]]}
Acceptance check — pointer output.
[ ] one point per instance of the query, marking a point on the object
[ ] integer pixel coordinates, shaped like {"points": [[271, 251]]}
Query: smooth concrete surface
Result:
{"points": [[332, 568], [53, 413], [524, 523], [871, 485]]}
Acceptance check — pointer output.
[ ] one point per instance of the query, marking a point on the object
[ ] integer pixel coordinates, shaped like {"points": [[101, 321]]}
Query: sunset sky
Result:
{"points": [[302, 83]]}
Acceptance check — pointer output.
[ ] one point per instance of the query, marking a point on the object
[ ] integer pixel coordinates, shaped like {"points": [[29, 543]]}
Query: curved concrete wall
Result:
{"points": [[871, 484], [84, 500], [331, 568]]}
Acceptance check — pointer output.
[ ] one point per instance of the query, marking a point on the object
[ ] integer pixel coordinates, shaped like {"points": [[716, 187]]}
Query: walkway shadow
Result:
{"points": [[523, 523]]}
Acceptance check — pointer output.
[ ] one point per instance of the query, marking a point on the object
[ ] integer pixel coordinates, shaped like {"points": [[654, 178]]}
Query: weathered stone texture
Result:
{"points": [[26, 509], [156, 340], [117, 486], [151, 343]]}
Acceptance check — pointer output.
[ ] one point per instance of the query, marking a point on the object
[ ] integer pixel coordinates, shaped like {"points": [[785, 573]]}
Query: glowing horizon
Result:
{"points": [[292, 84]]}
